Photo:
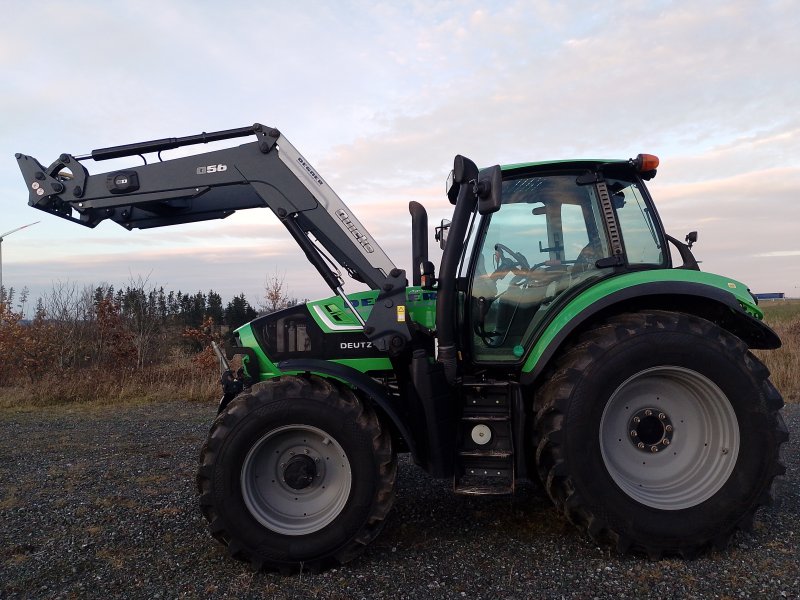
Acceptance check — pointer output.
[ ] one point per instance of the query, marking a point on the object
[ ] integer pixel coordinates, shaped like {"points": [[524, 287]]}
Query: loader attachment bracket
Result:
{"points": [[386, 326]]}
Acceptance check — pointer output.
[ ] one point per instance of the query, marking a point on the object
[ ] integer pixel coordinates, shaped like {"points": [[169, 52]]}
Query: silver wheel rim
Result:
{"points": [[296, 479], [684, 456]]}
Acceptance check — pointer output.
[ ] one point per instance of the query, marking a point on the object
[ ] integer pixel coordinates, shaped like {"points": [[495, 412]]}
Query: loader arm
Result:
{"points": [[267, 172]]}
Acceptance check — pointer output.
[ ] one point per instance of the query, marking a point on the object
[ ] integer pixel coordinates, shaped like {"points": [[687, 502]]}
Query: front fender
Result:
{"points": [[370, 388]]}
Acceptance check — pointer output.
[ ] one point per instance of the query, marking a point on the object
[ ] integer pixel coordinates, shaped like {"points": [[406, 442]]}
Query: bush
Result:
{"points": [[44, 362]]}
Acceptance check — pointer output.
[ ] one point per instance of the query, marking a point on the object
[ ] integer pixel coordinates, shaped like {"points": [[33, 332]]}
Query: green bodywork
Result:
{"points": [[556, 163], [331, 313], [265, 367]]}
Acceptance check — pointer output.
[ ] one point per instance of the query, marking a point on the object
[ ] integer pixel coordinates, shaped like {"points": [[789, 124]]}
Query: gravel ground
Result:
{"points": [[99, 502]]}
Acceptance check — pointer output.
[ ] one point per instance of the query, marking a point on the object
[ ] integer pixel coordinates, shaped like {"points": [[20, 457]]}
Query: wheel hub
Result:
{"points": [[685, 470], [650, 430], [299, 472], [296, 479]]}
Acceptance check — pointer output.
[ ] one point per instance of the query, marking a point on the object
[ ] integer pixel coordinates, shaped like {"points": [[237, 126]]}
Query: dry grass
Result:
{"points": [[179, 378], [784, 363]]}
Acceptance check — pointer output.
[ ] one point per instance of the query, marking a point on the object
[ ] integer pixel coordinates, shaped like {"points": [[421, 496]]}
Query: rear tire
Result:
{"points": [[659, 433], [296, 474]]}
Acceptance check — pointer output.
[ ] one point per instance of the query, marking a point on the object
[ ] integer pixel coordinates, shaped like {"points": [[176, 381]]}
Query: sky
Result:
{"points": [[380, 96]]}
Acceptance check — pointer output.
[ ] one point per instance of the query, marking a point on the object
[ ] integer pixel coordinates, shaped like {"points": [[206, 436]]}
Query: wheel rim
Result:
{"points": [[296, 479], [684, 445]]}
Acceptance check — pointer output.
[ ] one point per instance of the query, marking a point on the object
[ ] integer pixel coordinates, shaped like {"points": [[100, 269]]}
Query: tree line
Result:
{"points": [[136, 302], [73, 328]]}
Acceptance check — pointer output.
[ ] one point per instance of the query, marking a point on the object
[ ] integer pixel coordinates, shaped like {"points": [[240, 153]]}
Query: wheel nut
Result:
{"points": [[650, 429]]}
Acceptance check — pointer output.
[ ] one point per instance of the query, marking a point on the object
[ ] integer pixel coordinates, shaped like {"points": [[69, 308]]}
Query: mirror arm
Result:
{"points": [[689, 261]]}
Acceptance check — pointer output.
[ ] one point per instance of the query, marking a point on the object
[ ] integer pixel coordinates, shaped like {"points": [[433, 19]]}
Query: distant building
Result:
{"points": [[771, 296]]}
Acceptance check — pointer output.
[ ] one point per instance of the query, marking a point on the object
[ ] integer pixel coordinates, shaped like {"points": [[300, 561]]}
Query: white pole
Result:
{"points": [[7, 233]]}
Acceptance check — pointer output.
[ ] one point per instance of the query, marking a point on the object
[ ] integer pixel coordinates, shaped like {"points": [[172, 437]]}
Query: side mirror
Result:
{"points": [[441, 233], [489, 190], [691, 238], [464, 170], [427, 274], [451, 188]]}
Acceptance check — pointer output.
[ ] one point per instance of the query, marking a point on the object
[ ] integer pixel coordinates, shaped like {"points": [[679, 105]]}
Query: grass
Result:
{"points": [[179, 378], [784, 363], [781, 311]]}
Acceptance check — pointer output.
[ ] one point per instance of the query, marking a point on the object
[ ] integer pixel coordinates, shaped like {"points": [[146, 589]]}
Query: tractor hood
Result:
{"points": [[327, 330]]}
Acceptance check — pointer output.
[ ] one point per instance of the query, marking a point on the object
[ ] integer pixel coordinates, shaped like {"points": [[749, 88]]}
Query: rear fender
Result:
{"points": [[707, 301]]}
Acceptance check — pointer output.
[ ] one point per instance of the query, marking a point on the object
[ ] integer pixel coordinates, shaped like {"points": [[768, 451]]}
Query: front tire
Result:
{"points": [[659, 433], [296, 473]]}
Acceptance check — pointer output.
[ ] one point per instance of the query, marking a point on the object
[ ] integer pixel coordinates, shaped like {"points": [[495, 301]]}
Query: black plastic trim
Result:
{"points": [[448, 271]]}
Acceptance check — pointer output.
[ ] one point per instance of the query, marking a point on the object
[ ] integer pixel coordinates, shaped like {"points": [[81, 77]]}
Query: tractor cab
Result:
{"points": [[555, 233]]}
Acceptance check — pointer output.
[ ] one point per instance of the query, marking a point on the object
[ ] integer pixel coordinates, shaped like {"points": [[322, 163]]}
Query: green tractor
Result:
{"points": [[556, 343]]}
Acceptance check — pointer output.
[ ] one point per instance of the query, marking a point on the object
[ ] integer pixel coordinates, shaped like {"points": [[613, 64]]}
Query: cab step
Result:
{"points": [[485, 457]]}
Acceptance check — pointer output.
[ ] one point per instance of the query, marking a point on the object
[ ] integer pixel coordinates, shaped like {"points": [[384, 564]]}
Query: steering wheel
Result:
{"points": [[515, 263]]}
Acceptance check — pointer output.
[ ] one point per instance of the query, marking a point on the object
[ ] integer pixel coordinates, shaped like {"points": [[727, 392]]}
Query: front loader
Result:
{"points": [[556, 342]]}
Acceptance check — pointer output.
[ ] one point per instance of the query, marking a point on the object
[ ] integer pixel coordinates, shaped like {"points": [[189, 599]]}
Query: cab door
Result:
{"points": [[544, 241]]}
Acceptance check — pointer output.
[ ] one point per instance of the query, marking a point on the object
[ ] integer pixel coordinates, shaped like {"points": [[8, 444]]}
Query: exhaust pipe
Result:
{"points": [[419, 240]]}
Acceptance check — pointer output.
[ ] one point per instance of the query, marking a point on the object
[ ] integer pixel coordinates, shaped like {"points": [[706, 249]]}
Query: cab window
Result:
{"points": [[642, 244], [544, 240]]}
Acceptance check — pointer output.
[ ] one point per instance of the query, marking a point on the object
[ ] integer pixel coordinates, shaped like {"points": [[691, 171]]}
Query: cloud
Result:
{"points": [[380, 96], [778, 253]]}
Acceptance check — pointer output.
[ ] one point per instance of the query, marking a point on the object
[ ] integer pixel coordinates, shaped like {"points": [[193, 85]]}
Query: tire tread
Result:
{"points": [[352, 409], [552, 403]]}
